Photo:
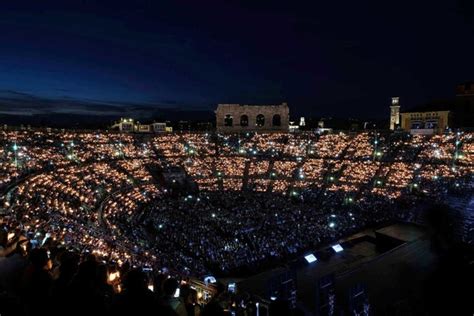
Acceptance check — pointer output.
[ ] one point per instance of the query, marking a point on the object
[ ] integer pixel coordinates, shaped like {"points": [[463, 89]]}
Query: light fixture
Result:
{"points": [[310, 258], [337, 248]]}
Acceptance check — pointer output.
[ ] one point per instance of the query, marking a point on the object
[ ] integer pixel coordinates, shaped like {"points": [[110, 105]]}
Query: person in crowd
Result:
{"points": [[12, 267], [172, 296], [215, 306], [189, 297], [37, 282], [7, 247], [11, 272], [137, 299], [67, 268]]}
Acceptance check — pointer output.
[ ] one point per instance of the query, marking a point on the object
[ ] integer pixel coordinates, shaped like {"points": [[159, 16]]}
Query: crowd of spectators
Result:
{"points": [[95, 204], [50, 279]]}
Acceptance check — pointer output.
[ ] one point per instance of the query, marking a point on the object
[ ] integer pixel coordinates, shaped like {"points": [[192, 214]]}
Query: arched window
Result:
{"points": [[276, 120], [228, 121], [244, 120], [260, 121]]}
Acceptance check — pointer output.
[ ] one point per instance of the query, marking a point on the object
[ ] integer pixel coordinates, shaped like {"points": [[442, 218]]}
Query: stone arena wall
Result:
{"points": [[229, 118]]}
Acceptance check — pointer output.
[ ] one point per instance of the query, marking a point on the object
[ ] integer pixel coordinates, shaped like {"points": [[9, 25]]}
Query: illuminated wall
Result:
{"points": [[240, 118], [435, 121]]}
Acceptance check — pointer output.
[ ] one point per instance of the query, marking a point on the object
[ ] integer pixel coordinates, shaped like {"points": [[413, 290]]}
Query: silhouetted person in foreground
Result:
{"points": [[11, 273], [137, 299], [36, 283], [214, 307], [190, 300], [170, 287], [83, 293]]}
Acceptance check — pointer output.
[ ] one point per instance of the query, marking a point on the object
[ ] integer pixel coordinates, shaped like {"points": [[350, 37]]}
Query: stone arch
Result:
{"points": [[228, 120], [276, 121], [260, 120], [244, 120]]}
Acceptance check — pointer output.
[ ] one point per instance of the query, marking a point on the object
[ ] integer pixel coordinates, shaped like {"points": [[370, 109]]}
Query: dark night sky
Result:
{"points": [[327, 58]]}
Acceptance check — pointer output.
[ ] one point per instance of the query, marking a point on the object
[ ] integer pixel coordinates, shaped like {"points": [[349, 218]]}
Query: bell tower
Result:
{"points": [[395, 113]]}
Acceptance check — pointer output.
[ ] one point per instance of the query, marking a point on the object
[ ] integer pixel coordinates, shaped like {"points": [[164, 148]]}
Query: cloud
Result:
{"points": [[17, 107], [21, 103]]}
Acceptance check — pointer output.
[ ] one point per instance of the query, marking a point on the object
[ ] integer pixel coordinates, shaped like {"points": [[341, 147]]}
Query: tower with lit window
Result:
{"points": [[395, 113]]}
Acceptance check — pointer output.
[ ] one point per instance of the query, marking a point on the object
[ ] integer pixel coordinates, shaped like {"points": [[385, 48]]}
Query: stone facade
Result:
{"points": [[234, 118], [395, 113], [433, 122]]}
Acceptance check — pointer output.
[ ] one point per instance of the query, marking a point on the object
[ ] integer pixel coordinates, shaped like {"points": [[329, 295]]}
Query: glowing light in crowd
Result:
{"points": [[114, 276], [310, 258], [337, 248]]}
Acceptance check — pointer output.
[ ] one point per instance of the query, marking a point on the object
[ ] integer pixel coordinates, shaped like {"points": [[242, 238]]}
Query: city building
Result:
{"points": [[302, 121], [125, 125], [293, 127], [427, 123], [395, 113], [231, 118], [158, 127], [129, 125], [465, 90], [464, 105], [143, 128], [437, 115]]}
